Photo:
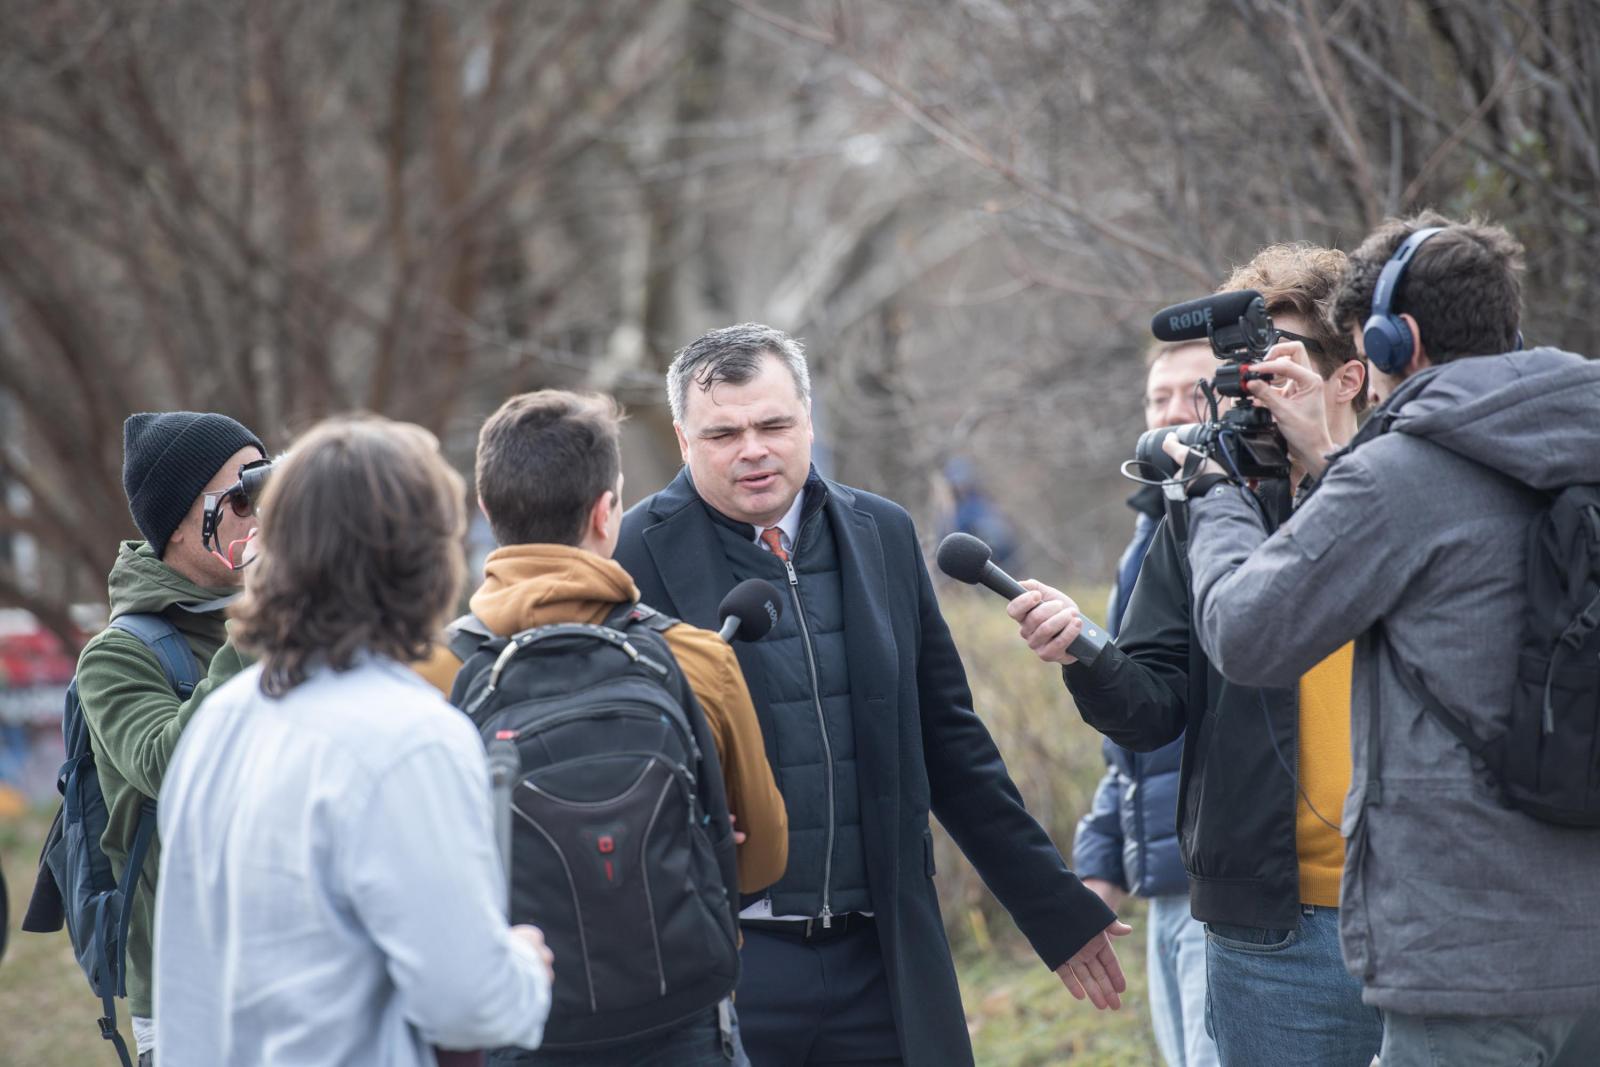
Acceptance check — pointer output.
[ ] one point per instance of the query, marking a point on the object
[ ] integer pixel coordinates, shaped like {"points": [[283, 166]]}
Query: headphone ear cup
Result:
{"points": [[1387, 340]]}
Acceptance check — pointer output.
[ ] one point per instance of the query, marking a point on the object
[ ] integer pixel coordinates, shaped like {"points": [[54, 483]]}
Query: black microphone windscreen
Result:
{"points": [[756, 604], [963, 557], [1188, 321]]}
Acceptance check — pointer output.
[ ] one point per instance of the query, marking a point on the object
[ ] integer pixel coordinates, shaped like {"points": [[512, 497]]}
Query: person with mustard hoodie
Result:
{"points": [[549, 480]]}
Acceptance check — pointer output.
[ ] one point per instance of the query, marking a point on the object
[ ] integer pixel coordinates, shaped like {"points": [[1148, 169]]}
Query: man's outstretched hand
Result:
{"points": [[1093, 971]]}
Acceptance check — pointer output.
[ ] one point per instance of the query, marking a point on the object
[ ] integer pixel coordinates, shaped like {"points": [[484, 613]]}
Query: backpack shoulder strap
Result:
{"points": [[1444, 716], [1436, 710], [171, 649], [466, 634], [640, 614], [115, 982], [130, 886]]}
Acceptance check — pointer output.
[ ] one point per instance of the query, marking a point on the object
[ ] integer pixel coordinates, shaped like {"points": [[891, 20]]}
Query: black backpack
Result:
{"points": [[621, 849], [75, 886], [1547, 762]]}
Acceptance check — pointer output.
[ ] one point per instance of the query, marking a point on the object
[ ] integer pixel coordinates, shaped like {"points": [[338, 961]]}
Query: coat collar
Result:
{"points": [[682, 541]]}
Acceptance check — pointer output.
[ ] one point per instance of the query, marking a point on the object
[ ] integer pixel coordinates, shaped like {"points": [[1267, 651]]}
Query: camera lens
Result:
{"points": [[1149, 454]]}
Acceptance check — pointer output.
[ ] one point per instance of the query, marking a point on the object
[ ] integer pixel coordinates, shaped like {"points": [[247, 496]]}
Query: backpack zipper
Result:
{"points": [[822, 725]]}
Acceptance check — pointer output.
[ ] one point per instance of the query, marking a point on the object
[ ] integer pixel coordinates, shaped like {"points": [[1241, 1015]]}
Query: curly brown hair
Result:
{"points": [[360, 550], [1302, 278]]}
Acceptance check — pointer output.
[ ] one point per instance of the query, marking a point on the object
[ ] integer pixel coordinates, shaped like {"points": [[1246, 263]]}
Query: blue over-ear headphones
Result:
{"points": [[1386, 336]]}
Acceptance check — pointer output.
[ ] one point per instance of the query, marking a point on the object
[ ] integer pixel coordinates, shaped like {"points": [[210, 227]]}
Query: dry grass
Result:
{"points": [[47, 1015]]}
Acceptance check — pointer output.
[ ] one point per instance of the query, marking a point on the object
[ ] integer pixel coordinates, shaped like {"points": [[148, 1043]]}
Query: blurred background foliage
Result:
{"points": [[969, 209]]}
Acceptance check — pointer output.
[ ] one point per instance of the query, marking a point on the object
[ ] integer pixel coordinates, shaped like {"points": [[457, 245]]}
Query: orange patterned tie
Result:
{"points": [[774, 541]]}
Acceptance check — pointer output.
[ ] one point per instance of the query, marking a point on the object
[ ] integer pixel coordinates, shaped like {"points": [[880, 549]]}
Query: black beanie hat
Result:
{"points": [[167, 459]]}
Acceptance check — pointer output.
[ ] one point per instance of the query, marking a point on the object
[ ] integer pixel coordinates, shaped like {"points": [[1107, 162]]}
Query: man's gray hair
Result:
{"points": [[733, 354]]}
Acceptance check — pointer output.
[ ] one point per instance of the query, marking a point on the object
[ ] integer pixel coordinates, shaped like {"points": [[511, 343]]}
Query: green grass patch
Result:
{"points": [[1020, 1015]]}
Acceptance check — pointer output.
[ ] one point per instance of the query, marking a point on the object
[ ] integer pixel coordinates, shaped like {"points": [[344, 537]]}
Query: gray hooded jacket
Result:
{"points": [[1415, 543]]}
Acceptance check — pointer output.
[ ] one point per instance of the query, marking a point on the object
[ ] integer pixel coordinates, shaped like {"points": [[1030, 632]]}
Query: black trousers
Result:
{"points": [[806, 1003], [697, 1043]]}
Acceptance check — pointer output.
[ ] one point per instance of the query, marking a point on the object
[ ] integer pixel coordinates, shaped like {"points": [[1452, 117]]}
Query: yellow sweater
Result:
{"points": [[1324, 763]]}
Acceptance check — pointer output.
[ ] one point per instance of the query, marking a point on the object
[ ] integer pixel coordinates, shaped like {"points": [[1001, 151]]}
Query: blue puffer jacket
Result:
{"points": [[1129, 837]]}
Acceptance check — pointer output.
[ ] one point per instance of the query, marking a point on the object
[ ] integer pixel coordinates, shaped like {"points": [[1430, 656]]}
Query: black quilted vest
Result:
{"points": [[787, 704]]}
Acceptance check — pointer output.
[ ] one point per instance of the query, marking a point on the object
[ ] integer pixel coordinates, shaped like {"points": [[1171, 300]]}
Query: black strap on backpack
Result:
{"points": [[103, 918]]}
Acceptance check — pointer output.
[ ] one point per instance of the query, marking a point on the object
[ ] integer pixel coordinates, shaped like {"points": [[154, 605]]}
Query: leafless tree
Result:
{"points": [[968, 208]]}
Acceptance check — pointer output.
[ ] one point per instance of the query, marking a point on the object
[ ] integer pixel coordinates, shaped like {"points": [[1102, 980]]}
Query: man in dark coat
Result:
{"points": [[868, 724]]}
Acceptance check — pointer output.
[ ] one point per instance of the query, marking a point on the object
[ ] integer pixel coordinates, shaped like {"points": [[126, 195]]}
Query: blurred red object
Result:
{"points": [[35, 669]]}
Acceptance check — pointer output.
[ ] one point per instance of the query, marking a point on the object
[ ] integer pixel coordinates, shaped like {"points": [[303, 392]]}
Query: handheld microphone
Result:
{"points": [[1191, 321], [966, 559], [505, 767], [749, 611]]}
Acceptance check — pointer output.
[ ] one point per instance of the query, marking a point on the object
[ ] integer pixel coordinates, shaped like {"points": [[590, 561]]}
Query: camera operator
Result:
{"points": [[1263, 770], [1469, 913], [1128, 840]]}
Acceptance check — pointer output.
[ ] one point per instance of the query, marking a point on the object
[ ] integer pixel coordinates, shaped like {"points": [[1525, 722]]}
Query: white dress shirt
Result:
{"points": [[788, 526]]}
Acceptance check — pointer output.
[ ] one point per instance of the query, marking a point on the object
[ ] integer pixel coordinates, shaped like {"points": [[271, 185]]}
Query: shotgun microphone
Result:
{"points": [[1193, 320], [966, 559], [749, 611]]}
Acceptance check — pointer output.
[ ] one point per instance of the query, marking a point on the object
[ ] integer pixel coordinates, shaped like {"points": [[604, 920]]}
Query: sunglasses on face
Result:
{"points": [[241, 498]]}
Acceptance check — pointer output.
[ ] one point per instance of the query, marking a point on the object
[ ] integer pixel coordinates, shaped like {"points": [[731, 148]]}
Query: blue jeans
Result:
{"points": [[1177, 968], [697, 1043], [1469, 1041], [1282, 998]]}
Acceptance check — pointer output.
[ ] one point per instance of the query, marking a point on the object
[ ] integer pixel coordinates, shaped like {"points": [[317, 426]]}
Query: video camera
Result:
{"points": [[1243, 440]]}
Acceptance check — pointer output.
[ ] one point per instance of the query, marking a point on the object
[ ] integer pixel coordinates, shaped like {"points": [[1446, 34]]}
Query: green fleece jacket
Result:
{"points": [[135, 718]]}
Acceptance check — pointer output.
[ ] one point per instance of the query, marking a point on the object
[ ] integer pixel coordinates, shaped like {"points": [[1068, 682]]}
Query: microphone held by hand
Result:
{"points": [[505, 768], [749, 611], [966, 559]]}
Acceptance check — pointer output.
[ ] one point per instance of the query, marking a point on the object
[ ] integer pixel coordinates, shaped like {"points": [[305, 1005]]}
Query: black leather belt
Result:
{"points": [[811, 929]]}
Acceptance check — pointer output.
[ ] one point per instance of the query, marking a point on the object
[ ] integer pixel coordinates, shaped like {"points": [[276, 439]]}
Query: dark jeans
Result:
{"points": [[808, 1003], [697, 1043], [147, 1059]]}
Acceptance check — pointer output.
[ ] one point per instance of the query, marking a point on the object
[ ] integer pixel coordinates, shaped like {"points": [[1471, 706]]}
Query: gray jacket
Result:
{"points": [[1415, 544]]}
